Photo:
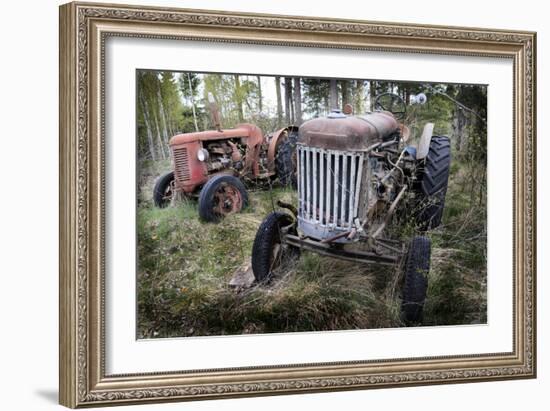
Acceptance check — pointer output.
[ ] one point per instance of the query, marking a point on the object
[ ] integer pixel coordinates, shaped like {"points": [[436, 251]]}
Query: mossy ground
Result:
{"points": [[184, 268]]}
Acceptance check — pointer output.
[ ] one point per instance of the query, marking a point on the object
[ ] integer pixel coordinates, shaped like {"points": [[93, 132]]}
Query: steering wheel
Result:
{"points": [[391, 102]]}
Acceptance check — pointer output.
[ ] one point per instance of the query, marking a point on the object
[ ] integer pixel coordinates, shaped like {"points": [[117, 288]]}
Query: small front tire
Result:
{"points": [[415, 287], [163, 192], [268, 250]]}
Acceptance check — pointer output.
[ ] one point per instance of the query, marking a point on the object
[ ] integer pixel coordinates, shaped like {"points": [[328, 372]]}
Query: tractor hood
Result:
{"points": [[341, 132]]}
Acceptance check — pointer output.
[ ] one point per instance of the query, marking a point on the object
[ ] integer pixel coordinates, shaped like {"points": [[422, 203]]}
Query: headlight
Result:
{"points": [[202, 154]]}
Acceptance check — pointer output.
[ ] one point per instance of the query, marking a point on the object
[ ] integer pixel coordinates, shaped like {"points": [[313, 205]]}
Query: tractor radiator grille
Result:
{"points": [[181, 164], [329, 185]]}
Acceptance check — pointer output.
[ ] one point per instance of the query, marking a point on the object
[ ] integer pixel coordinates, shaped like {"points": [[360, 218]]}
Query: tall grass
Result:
{"points": [[184, 268]]}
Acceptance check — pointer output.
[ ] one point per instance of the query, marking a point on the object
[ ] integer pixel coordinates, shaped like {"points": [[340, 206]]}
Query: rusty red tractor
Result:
{"points": [[215, 165], [359, 180]]}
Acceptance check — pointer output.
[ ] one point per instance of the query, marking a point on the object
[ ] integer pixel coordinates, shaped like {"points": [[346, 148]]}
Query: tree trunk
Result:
{"points": [[459, 130], [239, 98], [192, 98], [373, 93], [159, 138], [297, 101], [359, 97], [288, 100], [279, 101], [333, 95], [162, 117], [260, 104], [345, 92], [144, 110]]}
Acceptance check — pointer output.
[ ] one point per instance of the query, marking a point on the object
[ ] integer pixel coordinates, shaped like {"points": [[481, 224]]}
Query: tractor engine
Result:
{"points": [[223, 154], [339, 181]]}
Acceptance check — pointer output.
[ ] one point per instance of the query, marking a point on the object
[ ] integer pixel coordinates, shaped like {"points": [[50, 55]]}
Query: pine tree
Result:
{"points": [[333, 94]]}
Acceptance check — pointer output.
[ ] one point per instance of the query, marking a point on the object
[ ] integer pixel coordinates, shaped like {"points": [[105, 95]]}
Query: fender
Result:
{"points": [[424, 143], [272, 149]]}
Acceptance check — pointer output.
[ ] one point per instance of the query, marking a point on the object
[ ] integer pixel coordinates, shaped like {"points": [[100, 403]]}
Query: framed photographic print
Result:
{"points": [[257, 204]]}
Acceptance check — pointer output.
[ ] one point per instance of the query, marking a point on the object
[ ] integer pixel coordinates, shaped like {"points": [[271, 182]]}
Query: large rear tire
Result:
{"points": [[268, 250], [163, 192], [285, 160], [432, 182], [415, 287], [222, 195]]}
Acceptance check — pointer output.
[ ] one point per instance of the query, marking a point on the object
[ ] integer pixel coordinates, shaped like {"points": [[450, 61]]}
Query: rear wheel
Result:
{"points": [[163, 192], [220, 196], [285, 160], [268, 250], [433, 180], [415, 287]]}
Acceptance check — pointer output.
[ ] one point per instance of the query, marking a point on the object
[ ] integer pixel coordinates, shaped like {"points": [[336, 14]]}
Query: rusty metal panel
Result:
{"points": [[308, 183], [358, 182], [181, 163], [336, 187], [322, 178], [345, 190], [351, 200], [330, 186], [348, 133], [302, 181], [315, 182], [189, 172]]}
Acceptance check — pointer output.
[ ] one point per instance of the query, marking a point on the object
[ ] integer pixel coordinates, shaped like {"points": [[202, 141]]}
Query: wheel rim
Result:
{"points": [[167, 194], [227, 200]]}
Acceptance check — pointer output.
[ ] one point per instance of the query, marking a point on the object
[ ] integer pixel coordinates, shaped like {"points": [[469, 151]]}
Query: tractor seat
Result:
{"points": [[419, 150], [411, 150]]}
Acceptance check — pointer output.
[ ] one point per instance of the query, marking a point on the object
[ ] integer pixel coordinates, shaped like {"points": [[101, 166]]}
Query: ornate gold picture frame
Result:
{"points": [[84, 29]]}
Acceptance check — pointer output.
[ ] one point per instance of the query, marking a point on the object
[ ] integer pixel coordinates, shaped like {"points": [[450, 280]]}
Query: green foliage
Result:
{"points": [[316, 96], [184, 265]]}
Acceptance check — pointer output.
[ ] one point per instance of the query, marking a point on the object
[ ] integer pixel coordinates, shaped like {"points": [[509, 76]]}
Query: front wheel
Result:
{"points": [[222, 195], [269, 250], [163, 192], [415, 287]]}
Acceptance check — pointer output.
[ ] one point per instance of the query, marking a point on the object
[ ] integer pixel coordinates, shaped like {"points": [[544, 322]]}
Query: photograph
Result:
{"points": [[278, 204], [265, 203]]}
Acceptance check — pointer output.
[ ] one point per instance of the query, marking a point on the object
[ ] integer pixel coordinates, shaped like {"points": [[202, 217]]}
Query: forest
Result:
{"points": [[184, 265]]}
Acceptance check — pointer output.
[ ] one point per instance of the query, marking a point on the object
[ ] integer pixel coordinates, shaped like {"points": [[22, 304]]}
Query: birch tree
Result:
{"points": [[288, 100], [260, 103], [145, 113], [162, 115], [279, 101], [238, 97], [297, 101]]}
